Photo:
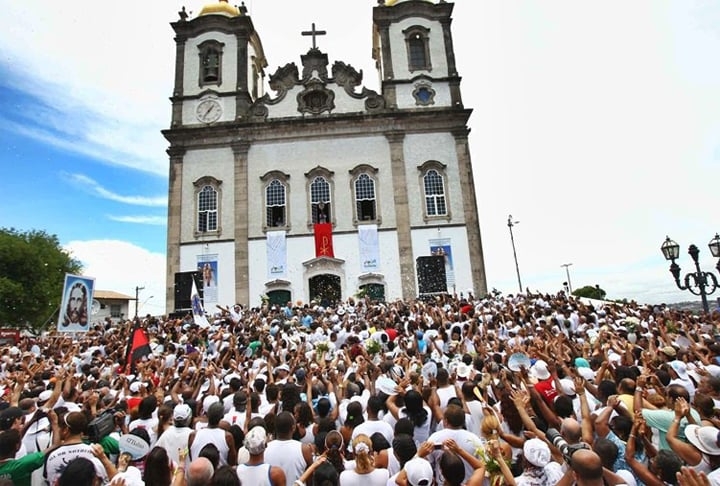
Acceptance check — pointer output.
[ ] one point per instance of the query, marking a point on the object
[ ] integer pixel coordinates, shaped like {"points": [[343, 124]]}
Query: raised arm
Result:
{"points": [[687, 452]]}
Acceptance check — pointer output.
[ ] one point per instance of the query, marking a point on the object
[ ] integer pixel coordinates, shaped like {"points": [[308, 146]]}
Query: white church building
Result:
{"points": [[320, 188]]}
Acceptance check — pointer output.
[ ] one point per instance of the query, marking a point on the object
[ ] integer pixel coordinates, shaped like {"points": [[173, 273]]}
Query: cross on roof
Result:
{"points": [[314, 33]]}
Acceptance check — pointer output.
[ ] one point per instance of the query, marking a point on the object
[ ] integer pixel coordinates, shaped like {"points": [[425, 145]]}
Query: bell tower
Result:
{"points": [[219, 66], [414, 55]]}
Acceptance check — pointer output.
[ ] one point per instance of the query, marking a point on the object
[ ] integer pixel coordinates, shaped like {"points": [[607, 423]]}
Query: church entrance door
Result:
{"points": [[325, 289]]}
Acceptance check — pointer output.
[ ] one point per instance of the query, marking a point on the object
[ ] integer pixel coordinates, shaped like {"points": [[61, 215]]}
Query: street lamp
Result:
{"points": [[145, 301], [510, 224], [567, 272], [699, 282]]}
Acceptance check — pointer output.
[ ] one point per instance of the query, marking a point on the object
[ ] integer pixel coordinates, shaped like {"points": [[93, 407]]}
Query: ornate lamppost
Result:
{"points": [[697, 282]]}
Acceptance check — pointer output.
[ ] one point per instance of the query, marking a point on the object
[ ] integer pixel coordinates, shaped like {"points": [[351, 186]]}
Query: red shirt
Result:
{"points": [[546, 390], [391, 333]]}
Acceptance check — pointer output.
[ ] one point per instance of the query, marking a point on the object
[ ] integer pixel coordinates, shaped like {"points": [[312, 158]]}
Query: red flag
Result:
{"points": [[323, 240], [138, 346]]}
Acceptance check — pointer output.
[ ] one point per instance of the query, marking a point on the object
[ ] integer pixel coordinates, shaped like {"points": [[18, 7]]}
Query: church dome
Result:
{"points": [[221, 7], [390, 3]]}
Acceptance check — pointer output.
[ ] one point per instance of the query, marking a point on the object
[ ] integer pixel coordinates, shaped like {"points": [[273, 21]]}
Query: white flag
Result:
{"points": [[197, 308]]}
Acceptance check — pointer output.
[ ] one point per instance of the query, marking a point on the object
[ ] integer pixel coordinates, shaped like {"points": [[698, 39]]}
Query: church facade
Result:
{"points": [[320, 189]]}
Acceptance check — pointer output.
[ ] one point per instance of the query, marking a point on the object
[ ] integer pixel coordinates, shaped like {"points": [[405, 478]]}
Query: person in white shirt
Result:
{"points": [[453, 423], [290, 455], [373, 424], [365, 473], [145, 418], [176, 436]]}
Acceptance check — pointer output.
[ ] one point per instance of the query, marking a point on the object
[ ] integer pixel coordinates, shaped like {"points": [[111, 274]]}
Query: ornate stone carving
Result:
{"points": [[314, 66], [284, 78], [258, 111], [374, 101], [346, 76], [315, 99]]}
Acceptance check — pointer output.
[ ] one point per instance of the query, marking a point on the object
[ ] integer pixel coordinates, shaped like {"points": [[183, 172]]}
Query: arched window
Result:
{"points": [[275, 205], [418, 49], [208, 194], [434, 186], [277, 197], [211, 62], [365, 204], [320, 200], [207, 215]]}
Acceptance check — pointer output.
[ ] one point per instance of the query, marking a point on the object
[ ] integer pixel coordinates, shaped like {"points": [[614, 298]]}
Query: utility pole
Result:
{"points": [[567, 272], [510, 224], [137, 294]]}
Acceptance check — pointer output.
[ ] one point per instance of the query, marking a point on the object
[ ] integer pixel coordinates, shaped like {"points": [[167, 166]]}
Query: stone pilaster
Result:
{"points": [[242, 100], [179, 76], [402, 214], [173, 223], [472, 221], [388, 89], [240, 150]]}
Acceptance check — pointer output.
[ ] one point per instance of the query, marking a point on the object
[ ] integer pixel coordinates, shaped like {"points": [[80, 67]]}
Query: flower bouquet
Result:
{"points": [[321, 348], [372, 347]]}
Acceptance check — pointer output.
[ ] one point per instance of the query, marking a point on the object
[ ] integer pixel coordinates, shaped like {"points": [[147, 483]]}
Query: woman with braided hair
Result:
{"points": [[365, 473]]}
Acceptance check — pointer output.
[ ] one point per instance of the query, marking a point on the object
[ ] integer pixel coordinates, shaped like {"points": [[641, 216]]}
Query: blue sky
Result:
{"points": [[595, 124]]}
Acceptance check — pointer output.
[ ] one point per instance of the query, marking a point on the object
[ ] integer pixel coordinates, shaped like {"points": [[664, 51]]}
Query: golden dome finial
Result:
{"points": [[221, 7]]}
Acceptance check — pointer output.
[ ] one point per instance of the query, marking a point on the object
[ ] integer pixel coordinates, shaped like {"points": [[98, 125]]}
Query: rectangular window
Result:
{"points": [[115, 310]]}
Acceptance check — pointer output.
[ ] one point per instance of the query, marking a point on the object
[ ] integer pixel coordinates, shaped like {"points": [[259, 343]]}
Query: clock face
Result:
{"points": [[208, 111]]}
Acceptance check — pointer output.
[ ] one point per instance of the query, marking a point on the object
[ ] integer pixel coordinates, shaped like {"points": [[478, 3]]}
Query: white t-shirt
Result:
{"points": [[369, 427], [58, 460], [377, 477], [421, 432], [464, 439], [172, 439]]}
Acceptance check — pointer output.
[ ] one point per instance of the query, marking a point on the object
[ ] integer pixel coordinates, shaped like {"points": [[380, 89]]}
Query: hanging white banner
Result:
{"points": [[369, 248], [276, 255]]}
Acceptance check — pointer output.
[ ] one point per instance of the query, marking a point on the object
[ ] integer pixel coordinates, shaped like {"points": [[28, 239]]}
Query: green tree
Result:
{"points": [[32, 273], [590, 292]]}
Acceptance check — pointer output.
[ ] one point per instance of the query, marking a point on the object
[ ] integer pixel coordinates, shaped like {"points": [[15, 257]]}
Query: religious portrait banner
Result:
{"points": [[77, 298], [443, 247], [207, 266]]}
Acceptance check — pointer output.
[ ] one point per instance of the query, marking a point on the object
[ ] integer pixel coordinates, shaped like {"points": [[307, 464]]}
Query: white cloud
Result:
{"points": [[151, 220], [121, 266], [93, 187]]}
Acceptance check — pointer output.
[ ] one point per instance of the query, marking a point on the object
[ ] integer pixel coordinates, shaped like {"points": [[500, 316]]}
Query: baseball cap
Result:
{"points": [[135, 387], [419, 472], [536, 452], [182, 412], [255, 440], [669, 351]]}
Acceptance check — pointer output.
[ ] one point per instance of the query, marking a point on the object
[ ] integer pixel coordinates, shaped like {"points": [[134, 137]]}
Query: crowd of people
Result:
{"points": [[524, 390]]}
